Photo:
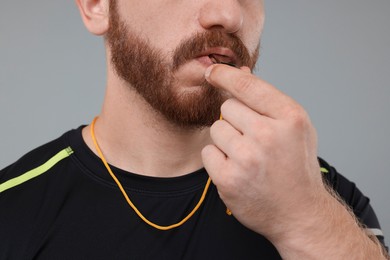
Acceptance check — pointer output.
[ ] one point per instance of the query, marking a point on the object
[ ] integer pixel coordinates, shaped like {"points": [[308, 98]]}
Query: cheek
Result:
{"points": [[162, 23], [252, 39], [253, 24], [144, 18]]}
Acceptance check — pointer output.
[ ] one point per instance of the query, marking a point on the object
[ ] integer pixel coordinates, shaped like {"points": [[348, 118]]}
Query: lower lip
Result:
{"points": [[205, 60]]}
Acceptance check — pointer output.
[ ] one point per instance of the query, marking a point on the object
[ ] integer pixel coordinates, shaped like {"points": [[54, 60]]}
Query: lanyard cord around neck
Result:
{"points": [[131, 203]]}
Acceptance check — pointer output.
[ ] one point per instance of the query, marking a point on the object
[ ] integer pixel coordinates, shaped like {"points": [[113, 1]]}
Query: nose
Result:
{"points": [[221, 14]]}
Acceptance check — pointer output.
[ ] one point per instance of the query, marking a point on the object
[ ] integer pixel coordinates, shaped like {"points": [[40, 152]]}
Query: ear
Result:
{"points": [[95, 14]]}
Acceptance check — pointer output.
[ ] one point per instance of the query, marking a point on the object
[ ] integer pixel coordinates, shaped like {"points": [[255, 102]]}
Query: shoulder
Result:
{"points": [[34, 163], [29, 191]]}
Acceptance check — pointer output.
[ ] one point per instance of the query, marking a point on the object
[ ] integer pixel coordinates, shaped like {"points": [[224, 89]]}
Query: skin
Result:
{"points": [[264, 164]]}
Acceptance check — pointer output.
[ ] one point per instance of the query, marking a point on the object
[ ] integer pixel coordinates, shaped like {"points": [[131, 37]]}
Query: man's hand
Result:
{"points": [[264, 157], [264, 164]]}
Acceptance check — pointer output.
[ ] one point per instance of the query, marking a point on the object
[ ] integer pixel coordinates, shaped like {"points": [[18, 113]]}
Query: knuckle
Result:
{"points": [[227, 185], [215, 128], [244, 83], [227, 105], [298, 118], [246, 156], [262, 132], [257, 125], [267, 138], [239, 146]]}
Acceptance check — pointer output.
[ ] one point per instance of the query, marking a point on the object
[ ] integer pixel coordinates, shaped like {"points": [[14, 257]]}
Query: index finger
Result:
{"points": [[249, 89]]}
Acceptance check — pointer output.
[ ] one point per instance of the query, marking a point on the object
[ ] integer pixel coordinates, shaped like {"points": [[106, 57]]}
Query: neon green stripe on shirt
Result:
{"points": [[324, 170], [37, 171]]}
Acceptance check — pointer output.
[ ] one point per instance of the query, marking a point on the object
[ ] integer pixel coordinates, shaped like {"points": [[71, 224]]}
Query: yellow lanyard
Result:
{"points": [[131, 203]]}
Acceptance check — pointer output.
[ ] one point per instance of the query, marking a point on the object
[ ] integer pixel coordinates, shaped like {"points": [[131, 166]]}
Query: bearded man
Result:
{"points": [[192, 156]]}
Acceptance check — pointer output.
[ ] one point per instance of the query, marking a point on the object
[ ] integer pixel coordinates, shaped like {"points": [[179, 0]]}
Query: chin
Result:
{"points": [[192, 89]]}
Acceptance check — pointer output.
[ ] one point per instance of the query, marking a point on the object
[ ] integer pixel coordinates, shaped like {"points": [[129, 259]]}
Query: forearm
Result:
{"points": [[331, 232]]}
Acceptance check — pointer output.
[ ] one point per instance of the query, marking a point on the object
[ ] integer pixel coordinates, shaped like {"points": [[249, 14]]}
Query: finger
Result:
{"points": [[225, 137], [241, 117], [213, 160], [246, 69], [259, 95]]}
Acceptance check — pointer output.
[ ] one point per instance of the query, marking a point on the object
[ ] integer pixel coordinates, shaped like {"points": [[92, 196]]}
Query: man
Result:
{"points": [[168, 84]]}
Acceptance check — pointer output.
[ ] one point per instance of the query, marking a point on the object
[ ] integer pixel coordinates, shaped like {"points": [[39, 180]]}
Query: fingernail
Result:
{"points": [[208, 72], [246, 69]]}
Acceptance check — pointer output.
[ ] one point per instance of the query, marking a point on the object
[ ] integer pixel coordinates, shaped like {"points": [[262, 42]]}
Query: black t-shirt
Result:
{"points": [[59, 202]]}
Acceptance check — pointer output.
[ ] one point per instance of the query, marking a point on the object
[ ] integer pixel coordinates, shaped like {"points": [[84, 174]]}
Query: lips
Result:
{"points": [[220, 59], [221, 55]]}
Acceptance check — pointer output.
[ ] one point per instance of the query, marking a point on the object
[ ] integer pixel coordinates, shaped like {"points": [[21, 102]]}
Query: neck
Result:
{"points": [[135, 138]]}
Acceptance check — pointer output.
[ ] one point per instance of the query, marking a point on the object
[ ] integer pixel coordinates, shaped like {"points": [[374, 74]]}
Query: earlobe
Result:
{"points": [[95, 14]]}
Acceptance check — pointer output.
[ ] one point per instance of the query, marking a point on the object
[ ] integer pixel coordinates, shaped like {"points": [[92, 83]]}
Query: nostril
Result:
{"points": [[224, 15]]}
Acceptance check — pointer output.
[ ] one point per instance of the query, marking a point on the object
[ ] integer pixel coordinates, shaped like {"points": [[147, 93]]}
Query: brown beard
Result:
{"points": [[145, 69]]}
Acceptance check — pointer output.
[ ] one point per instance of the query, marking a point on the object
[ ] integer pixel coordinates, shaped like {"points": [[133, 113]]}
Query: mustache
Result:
{"points": [[190, 48]]}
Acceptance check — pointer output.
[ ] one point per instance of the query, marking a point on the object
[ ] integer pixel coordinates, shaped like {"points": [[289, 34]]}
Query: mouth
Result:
{"points": [[220, 55], [222, 59]]}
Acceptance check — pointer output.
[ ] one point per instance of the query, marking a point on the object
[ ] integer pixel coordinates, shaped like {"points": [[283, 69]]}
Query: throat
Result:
{"points": [[158, 154]]}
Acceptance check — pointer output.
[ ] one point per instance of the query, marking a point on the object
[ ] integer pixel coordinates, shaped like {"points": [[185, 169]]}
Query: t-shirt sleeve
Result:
{"points": [[353, 197]]}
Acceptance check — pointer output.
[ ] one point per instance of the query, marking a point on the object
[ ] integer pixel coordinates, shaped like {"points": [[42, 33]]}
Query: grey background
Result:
{"points": [[331, 56]]}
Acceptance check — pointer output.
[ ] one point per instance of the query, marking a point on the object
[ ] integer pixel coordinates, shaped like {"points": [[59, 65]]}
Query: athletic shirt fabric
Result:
{"points": [[74, 210]]}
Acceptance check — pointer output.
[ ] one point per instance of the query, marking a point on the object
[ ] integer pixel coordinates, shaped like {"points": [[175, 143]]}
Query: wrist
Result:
{"points": [[327, 231]]}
